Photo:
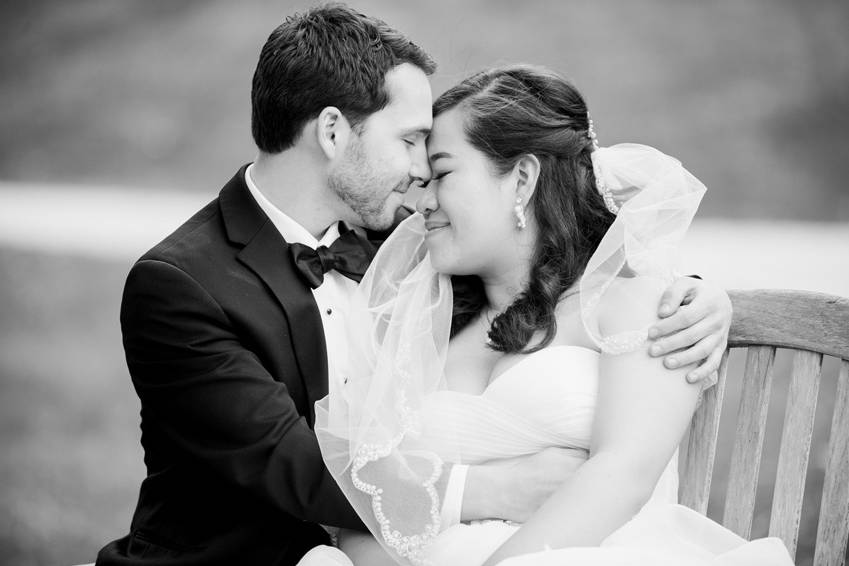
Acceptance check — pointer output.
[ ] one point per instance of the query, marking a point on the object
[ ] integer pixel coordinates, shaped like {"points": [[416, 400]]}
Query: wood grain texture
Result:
{"points": [[701, 445], [791, 319], [833, 529], [813, 324], [748, 442], [795, 448]]}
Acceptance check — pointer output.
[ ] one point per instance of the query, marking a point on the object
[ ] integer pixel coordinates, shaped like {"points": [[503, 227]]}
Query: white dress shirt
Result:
{"points": [[333, 298]]}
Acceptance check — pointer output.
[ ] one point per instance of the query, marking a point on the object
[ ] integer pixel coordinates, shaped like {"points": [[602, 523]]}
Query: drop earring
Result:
{"points": [[519, 210]]}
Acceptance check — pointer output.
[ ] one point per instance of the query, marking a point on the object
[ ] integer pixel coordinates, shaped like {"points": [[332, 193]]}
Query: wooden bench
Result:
{"points": [[810, 325]]}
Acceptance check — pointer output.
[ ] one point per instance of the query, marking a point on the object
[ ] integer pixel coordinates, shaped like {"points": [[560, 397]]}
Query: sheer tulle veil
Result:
{"points": [[655, 199], [370, 425]]}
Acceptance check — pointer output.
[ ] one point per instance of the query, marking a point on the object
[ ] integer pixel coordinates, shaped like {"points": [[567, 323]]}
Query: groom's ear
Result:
{"points": [[332, 131], [526, 172]]}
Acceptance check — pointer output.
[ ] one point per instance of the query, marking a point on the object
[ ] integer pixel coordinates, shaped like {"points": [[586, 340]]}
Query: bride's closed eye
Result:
{"points": [[438, 176]]}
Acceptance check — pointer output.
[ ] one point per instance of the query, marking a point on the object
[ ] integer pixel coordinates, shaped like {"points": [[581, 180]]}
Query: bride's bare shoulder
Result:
{"points": [[630, 303]]}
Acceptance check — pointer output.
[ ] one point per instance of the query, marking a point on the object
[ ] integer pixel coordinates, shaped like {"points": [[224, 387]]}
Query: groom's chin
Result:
{"points": [[380, 223], [393, 213]]}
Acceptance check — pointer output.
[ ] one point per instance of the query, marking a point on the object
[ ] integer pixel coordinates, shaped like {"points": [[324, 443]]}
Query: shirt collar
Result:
{"points": [[291, 231]]}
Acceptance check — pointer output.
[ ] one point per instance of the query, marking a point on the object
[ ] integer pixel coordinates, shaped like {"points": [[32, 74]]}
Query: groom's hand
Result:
{"points": [[696, 317], [512, 489]]}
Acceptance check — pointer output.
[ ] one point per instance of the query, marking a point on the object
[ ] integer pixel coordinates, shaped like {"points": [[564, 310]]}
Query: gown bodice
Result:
{"points": [[546, 399]]}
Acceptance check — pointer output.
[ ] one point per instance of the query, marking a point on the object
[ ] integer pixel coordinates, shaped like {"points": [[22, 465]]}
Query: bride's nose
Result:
{"points": [[427, 203]]}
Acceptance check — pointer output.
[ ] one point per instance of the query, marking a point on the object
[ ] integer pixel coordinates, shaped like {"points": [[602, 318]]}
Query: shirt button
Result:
{"points": [[329, 311]]}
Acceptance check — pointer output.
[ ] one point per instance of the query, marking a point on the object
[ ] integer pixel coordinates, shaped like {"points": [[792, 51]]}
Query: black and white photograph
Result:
{"points": [[374, 283]]}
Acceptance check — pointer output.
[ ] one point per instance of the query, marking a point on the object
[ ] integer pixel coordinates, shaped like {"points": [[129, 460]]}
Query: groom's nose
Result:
{"points": [[420, 166]]}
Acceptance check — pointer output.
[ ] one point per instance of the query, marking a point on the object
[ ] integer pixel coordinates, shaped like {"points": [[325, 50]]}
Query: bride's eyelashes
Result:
{"points": [[434, 178]]}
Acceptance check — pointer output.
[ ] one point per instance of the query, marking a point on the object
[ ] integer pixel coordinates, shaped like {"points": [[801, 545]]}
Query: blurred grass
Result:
{"points": [[71, 461], [752, 96]]}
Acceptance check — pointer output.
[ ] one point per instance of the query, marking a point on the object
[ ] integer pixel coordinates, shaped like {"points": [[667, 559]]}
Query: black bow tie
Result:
{"points": [[350, 255]]}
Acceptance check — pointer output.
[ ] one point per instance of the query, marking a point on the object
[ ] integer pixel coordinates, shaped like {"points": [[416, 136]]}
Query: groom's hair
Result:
{"points": [[328, 56]]}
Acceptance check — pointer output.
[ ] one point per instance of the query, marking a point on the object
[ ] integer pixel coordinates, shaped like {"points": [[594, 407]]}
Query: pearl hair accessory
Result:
{"points": [[591, 132], [519, 210], [605, 192], [601, 187]]}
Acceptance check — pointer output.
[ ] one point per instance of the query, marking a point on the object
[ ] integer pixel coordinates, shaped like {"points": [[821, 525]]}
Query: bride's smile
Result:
{"points": [[432, 227]]}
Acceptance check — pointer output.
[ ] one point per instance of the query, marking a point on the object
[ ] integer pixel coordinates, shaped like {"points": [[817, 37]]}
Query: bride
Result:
{"points": [[540, 256]]}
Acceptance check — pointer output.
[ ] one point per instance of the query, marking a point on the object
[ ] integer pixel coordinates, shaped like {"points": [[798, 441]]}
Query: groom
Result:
{"points": [[233, 323]]}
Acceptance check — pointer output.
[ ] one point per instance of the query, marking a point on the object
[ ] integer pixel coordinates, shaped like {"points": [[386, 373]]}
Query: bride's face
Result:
{"points": [[468, 207]]}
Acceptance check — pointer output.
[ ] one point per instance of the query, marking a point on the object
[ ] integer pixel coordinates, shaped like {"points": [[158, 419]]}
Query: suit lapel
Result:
{"points": [[265, 253]]}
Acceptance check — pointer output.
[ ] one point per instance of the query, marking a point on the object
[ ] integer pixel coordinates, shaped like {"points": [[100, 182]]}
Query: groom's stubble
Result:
{"points": [[373, 195]]}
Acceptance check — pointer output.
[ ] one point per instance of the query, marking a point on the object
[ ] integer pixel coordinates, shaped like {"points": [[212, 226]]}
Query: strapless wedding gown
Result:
{"points": [[548, 399]]}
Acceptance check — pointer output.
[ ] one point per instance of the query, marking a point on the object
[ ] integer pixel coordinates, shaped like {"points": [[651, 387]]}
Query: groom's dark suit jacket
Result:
{"points": [[225, 348]]}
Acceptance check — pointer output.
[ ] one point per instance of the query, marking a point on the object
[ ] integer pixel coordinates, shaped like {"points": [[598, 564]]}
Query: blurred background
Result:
{"points": [[119, 119]]}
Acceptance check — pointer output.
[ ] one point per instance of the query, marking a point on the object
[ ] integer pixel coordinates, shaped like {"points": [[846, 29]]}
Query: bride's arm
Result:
{"points": [[642, 412]]}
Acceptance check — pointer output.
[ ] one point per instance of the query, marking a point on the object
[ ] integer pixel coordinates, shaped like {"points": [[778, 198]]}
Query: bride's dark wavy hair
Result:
{"points": [[511, 112]]}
